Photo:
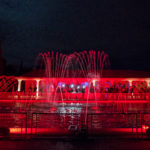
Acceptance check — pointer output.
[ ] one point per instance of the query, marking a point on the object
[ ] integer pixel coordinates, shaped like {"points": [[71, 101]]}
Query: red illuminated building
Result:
{"points": [[80, 88]]}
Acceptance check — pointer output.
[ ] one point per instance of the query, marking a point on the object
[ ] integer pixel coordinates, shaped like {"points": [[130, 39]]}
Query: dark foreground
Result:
{"points": [[109, 143]]}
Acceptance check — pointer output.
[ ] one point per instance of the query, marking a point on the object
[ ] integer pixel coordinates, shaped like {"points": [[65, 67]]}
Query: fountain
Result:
{"points": [[72, 87], [89, 64], [71, 80]]}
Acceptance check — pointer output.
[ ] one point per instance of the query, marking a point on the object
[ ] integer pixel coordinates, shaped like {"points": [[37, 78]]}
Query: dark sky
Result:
{"points": [[119, 27]]}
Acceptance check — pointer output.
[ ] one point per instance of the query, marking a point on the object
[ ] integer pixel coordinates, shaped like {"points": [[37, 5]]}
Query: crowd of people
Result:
{"points": [[100, 90], [106, 87]]}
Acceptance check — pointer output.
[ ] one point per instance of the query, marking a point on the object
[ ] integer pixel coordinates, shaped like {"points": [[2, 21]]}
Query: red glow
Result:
{"points": [[82, 83], [82, 89], [36, 130], [76, 101], [63, 131], [145, 127]]}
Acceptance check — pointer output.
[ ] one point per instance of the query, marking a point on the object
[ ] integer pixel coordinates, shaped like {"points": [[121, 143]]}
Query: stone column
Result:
{"points": [[19, 84], [148, 83], [37, 87], [130, 83]]}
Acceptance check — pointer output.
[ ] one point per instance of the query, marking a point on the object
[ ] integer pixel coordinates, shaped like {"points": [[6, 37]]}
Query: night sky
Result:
{"points": [[119, 27]]}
